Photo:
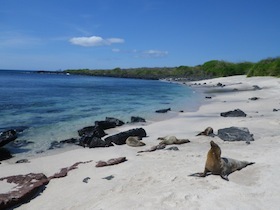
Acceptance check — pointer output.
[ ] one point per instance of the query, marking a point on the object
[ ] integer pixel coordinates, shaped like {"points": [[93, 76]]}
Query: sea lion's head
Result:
{"points": [[215, 147]]}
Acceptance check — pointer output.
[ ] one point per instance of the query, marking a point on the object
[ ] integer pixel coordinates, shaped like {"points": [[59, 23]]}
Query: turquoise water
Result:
{"points": [[53, 107]]}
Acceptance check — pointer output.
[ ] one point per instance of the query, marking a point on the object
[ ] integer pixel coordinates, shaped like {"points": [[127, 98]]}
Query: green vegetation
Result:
{"points": [[210, 69], [267, 67]]}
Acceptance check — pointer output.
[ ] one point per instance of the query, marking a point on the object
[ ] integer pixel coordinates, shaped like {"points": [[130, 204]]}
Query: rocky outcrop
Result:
{"points": [[28, 186], [7, 136], [137, 119], [104, 125], [115, 120], [92, 142], [92, 131], [120, 138], [5, 154], [64, 171], [234, 113], [235, 134]]}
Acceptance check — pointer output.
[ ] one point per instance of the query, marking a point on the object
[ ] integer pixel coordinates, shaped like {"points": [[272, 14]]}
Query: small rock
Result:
{"points": [[173, 148], [254, 98], [109, 177], [85, 180], [23, 161]]}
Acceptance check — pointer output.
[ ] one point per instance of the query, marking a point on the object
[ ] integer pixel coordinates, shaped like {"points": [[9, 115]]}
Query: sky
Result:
{"points": [[106, 34]]}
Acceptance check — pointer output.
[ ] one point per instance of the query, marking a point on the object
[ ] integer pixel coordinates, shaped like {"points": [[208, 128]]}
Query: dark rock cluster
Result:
{"points": [[234, 113]]}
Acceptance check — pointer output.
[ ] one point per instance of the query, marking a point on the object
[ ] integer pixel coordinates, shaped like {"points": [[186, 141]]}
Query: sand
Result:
{"points": [[159, 179]]}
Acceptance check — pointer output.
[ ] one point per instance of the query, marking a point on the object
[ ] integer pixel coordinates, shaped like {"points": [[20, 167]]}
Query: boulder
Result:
{"points": [[104, 125], [115, 120], [5, 154], [163, 110], [120, 138], [234, 113], [28, 186], [235, 134], [92, 131], [92, 142], [137, 119], [7, 136]]}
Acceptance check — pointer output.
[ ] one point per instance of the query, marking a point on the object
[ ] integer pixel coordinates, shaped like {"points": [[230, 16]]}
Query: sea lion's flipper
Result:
{"points": [[201, 174], [197, 175], [201, 133], [225, 177]]}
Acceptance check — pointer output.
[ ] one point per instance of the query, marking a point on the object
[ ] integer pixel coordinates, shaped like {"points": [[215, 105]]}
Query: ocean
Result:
{"points": [[52, 107]]}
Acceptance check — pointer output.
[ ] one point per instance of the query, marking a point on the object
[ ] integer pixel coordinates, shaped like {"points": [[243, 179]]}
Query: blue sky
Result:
{"points": [[102, 34]]}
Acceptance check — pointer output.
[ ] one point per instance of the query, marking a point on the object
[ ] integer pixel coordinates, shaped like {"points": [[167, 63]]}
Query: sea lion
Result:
{"points": [[207, 132], [154, 148], [133, 141], [167, 140], [217, 165]]}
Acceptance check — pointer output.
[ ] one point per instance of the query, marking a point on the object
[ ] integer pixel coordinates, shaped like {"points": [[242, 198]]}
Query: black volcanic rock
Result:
{"points": [[137, 119], [235, 134], [163, 110], [92, 131], [5, 154], [7, 136], [234, 113], [120, 138], [104, 125], [92, 142], [115, 120]]}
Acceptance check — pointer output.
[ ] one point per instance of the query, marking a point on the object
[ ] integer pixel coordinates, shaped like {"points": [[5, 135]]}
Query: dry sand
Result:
{"points": [[159, 180]]}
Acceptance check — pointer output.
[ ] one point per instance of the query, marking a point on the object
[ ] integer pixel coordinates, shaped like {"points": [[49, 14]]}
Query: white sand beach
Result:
{"points": [[159, 179]]}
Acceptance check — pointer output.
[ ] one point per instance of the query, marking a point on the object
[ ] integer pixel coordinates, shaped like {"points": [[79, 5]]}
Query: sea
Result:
{"points": [[53, 107]]}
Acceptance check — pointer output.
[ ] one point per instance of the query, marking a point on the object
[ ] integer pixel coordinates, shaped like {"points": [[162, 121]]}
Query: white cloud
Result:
{"points": [[94, 41], [154, 53], [115, 40], [116, 50]]}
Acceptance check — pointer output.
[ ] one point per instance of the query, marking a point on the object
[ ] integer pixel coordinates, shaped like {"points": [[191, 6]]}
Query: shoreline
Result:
{"points": [[159, 180]]}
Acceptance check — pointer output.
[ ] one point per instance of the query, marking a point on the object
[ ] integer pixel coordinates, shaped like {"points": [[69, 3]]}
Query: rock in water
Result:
{"points": [[137, 119], [7, 136], [163, 110], [92, 131]]}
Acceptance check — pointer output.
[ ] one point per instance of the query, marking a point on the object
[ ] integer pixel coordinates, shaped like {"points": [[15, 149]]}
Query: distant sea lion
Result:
{"points": [[207, 132], [133, 141], [167, 140], [217, 165], [154, 148]]}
